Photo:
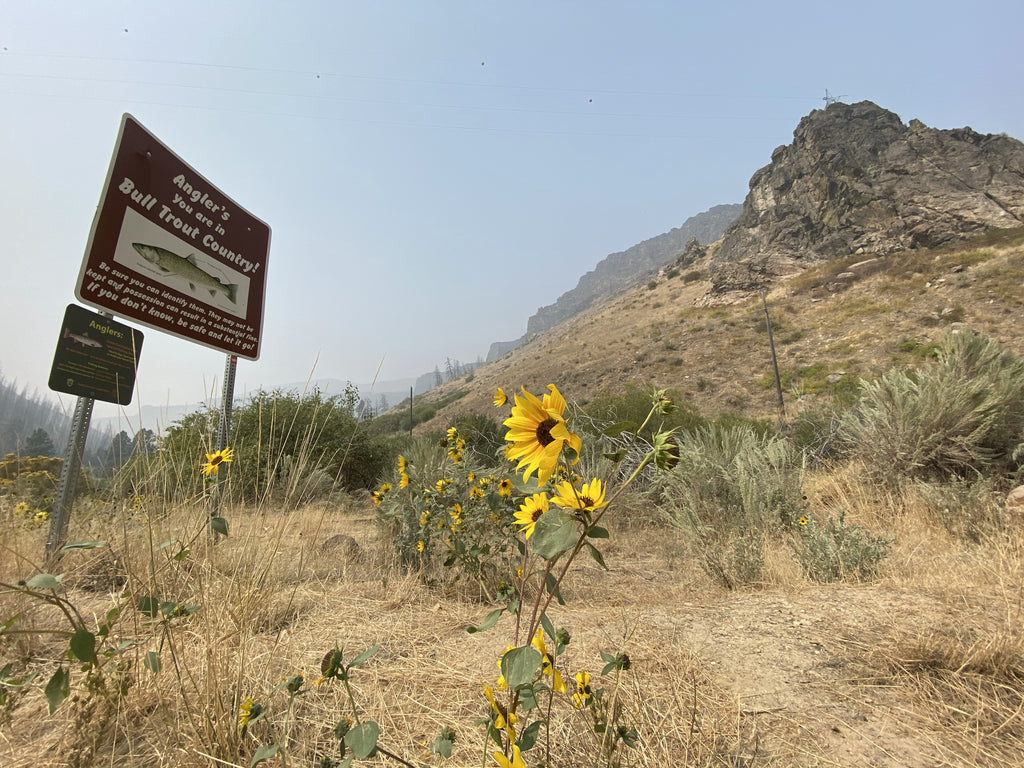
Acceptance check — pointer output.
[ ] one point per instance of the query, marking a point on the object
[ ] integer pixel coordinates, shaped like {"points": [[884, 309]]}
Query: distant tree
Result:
{"points": [[438, 381], [144, 443], [382, 404], [120, 450], [39, 444]]}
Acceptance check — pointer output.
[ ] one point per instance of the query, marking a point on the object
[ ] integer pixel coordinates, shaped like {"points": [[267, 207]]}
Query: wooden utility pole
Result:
{"points": [[775, 361]]}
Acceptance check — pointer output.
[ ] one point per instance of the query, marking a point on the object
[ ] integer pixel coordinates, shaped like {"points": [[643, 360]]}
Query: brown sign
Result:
{"points": [[172, 252], [95, 357]]}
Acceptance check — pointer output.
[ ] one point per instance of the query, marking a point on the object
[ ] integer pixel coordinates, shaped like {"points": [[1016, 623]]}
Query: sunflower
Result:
{"points": [[531, 510], [500, 398], [215, 459], [503, 720], [380, 493], [504, 488], [401, 464], [548, 664], [515, 762], [589, 498], [248, 712], [538, 432], [582, 695]]}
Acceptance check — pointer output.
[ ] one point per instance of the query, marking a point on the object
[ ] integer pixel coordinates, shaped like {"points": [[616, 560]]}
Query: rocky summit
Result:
{"points": [[856, 180]]}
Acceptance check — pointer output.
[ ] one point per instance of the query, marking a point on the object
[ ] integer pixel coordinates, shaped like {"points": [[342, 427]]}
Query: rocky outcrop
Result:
{"points": [[856, 180]]}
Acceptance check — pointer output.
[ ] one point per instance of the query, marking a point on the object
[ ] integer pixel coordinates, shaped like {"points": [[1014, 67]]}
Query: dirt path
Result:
{"points": [[800, 669]]}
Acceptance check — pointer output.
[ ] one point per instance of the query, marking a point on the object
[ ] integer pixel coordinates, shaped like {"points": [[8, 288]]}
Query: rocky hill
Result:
{"points": [[887, 234], [625, 269], [856, 180]]}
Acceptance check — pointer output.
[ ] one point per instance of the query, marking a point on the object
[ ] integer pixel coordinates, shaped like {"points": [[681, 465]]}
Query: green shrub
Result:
{"points": [[295, 448], [962, 416], [448, 516], [633, 405], [836, 551], [733, 488]]}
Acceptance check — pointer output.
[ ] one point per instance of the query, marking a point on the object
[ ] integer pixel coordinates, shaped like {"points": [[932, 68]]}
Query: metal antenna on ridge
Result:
{"points": [[830, 99]]}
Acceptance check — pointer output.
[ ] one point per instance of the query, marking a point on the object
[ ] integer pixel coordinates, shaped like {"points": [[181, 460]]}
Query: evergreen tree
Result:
{"points": [[120, 450], [39, 444]]}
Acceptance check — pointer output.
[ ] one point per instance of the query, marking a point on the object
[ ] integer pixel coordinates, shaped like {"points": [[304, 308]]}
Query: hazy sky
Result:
{"points": [[434, 172]]}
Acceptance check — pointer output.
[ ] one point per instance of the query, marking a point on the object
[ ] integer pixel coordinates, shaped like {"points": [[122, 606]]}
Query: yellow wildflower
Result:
{"points": [[538, 432], [215, 459]]}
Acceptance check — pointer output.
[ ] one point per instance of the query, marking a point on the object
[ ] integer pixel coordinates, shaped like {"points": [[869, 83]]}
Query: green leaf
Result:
{"points": [[597, 532], [9, 623], [617, 456], [45, 581], [367, 654], [82, 545], [596, 554], [152, 662], [168, 607], [219, 525], [554, 534], [108, 621], [617, 429], [487, 623], [265, 752], [182, 555], [519, 665], [362, 740], [83, 645], [149, 605], [551, 585], [549, 628], [528, 739], [57, 689], [442, 745]]}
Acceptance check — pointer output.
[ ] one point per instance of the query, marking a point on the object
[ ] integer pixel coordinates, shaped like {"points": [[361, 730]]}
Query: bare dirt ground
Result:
{"points": [[851, 675]]}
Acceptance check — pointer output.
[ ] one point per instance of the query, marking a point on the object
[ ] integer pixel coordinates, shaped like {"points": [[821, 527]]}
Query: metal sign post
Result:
{"points": [[227, 397], [68, 477]]}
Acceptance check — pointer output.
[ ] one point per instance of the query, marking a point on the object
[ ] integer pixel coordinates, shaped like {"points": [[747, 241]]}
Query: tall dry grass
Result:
{"points": [[933, 643]]}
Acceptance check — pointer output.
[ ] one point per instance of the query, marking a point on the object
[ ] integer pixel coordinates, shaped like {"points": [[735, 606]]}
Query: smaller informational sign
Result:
{"points": [[96, 357]]}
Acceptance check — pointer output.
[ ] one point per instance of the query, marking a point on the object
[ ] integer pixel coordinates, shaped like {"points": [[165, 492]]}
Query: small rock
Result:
{"points": [[346, 544]]}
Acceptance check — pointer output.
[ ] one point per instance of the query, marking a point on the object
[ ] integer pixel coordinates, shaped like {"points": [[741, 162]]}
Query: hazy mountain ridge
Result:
{"points": [[620, 271]]}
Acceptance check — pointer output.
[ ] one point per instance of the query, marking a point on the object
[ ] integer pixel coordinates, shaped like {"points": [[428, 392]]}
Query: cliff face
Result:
{"points": [[856, 180], [622, 270]]}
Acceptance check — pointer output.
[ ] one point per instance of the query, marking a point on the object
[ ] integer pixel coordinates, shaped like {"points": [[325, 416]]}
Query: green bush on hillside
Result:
{"points": [[961, 417], [733, 487], [289, 446]]}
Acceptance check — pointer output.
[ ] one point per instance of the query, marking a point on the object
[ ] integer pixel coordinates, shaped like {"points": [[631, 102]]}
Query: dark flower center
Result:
{"points": [[537, 513], [586, 501], [544, 432]]}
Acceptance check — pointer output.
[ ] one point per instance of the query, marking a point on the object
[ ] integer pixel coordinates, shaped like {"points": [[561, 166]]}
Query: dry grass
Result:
{"points": [[924, 666]]}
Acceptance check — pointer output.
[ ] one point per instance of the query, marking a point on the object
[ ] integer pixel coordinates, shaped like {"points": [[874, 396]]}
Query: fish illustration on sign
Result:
{"points": [[79, 338], [186, 268]]}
